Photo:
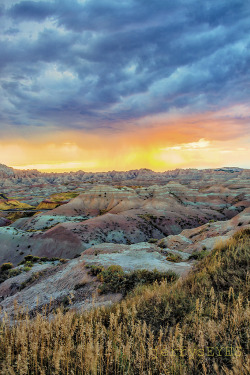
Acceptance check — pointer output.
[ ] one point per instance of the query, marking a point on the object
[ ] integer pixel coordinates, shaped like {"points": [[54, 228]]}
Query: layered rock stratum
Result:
{"points": [[135, 219]]}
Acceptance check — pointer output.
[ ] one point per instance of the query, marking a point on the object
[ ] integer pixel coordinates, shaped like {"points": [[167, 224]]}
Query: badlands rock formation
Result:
{"points": [[31, 185], [124, 215], [54, 283], [152, 205], [134, 219], [12, 204]]}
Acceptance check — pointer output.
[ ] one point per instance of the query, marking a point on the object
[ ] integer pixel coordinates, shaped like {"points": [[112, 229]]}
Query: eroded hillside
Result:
{"points": [[122, 215], [136, 219]]}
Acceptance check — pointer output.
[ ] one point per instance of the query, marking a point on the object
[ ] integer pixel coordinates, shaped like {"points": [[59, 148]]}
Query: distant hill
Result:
{"points": [[6, 171], [142, 174]]}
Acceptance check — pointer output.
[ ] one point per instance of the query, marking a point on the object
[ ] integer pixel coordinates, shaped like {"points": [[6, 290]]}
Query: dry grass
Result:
{"points": [[199, 325]]}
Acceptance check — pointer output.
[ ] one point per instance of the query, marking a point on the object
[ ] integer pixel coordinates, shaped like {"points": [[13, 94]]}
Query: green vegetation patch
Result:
{"points": [[94, 270], [7, 271], [29, 260], [198, 255], [175, 258], [58, 197], [6, 266], [115, 280], [153, 240]]}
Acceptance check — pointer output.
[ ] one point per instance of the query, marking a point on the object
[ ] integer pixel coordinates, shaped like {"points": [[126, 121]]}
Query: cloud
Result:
{"points": [[96, 64], [202, 143], [59, 166], [31, 10]]}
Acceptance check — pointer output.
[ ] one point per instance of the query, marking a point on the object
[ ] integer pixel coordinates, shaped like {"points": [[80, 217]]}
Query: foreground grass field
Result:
{"points": [[199, 325]]}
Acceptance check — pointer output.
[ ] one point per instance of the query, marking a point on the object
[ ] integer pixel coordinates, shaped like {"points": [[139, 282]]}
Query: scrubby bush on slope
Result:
{"points": [[114, 279], [6, 271], [199, 325]]}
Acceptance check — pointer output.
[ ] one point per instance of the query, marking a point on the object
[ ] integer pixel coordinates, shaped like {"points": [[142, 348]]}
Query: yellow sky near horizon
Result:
{"points": [[206, 141], [68, 156]]}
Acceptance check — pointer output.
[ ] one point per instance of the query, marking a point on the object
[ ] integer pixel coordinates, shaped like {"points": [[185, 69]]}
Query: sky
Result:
{"points": [[99, 85]]}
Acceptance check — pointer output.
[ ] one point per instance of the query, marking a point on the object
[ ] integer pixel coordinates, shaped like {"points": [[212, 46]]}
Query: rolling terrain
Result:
{"points": [[122, 215], [56, 281], [136, 219], [32, 186]]}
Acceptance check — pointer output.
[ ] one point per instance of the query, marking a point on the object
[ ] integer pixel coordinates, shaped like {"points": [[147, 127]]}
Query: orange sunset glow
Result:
{"points": [[194, 142]]}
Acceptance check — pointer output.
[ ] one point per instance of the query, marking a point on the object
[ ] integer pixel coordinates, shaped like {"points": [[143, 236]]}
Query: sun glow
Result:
{"points": [[200, 154], [206, 141]]}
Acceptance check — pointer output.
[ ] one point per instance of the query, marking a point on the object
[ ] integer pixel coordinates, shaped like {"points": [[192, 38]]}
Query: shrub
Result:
{"points": [[28, 264], [94, 270], [152, 240], [26, 268], [80, 285], [115, 280], [198, 255], [162, 245], [7, 271], [175, 258], [14, 272], [30, 259], [35, 259], [6, 266]]}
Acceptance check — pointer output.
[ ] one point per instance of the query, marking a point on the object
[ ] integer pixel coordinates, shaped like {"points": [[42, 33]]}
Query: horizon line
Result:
{"points": [[120, 171]]}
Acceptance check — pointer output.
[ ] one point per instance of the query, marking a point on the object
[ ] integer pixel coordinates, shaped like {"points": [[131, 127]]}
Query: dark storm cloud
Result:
{"points": [[91, 63], [31, 10]]}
